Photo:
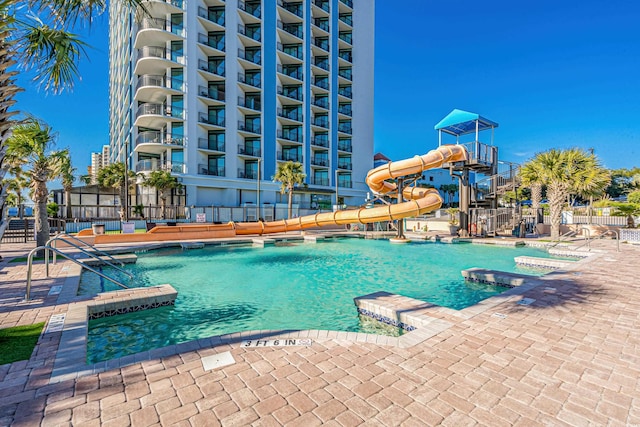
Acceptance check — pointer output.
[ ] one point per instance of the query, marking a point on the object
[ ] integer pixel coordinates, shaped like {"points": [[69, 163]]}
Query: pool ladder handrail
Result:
{"points": [[563, 237], [96, 250], [62, 254], [92, 255], [599, 236]]}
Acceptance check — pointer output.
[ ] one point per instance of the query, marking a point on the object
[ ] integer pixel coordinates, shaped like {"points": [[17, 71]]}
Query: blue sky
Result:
{"points": [[551, 73]]}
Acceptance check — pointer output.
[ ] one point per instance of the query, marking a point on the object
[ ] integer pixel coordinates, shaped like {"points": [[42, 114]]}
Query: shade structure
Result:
{"points": [[459, 122]]}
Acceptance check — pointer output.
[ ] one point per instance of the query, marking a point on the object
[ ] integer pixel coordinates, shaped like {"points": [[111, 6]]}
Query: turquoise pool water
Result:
{"points": [[292, 286]]}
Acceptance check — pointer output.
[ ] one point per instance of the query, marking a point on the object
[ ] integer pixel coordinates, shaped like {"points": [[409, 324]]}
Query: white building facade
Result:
{"points": [[220, 92]]}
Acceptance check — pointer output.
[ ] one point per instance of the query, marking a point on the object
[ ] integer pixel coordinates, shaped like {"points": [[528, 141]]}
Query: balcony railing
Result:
{"points": [[208, 144], [345, 109], [161, 24], [293, 29], [213, 42], [319, 181], [211, 93], [344, 165], [320, 141], [159, 81], [322, 24], [251, 56], [348, 3], [322, 121], [319, 161], [159, 52], [347, 55], [323, 83], [345, 146], [249, 126], [344, 184], [290, 135], [156, 137], [217, 17], [150, 165], [345, 91], [209, 170], [322, 4], [211, 68], [252, 80], [293, 157], [210, 120], [321, 102], [322, 63], [347, 18], [251, 8], [322, 43], [345, 127], [252, 33], [347, 73], [160, 110], [295, 114], [247, 174], [251, 103], [248, 150], [295, 50], [295, 8], [294, 72], [346, 36], [293, 94]]}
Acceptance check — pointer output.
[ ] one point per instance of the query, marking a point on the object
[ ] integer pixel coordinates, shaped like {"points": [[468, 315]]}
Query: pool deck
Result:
{"points": [[563, 352]]}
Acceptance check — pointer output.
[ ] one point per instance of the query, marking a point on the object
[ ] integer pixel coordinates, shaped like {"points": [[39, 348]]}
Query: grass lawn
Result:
{"points": [[17, 343]]}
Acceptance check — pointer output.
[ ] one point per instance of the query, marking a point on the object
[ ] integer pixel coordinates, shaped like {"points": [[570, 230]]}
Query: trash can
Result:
{"points": [[97, 229]]}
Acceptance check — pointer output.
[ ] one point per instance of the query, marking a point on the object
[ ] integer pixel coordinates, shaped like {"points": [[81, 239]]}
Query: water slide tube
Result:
{"points": [[420, 200]]}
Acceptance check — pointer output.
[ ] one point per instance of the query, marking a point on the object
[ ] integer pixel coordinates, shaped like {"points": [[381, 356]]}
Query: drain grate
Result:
{"points": [[217, 361]]}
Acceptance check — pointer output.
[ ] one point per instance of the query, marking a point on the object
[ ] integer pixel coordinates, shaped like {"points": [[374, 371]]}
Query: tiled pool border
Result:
{"points": [[70, 360]]}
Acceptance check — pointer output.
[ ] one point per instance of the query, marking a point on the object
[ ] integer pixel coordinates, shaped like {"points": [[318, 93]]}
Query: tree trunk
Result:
{"points": [[536, 195], [557, 195], [163, 207], [41, 225], [290, 203], [121, 196], [67, 201]]}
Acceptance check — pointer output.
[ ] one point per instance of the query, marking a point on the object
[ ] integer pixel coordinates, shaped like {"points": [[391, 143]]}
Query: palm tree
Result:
{"points": [[34, 34], [564, 172], [530, 175], [68, 178], [289, 174], [29, 148], [113, 176], [163, 182], [15, 186], [86, 179]]}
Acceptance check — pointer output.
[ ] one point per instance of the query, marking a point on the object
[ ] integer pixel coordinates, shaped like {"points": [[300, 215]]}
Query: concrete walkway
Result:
{"points": [[572, 357]]}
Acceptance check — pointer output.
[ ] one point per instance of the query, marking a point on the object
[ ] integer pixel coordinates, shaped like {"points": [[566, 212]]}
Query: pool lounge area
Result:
{"points": [[557, 349]]}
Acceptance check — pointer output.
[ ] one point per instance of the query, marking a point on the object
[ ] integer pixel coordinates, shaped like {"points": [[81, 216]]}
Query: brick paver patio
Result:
{"points": [[572, 357]]}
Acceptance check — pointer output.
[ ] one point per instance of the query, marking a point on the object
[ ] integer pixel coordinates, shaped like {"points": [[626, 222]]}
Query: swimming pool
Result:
{"points": [[292, 286]]}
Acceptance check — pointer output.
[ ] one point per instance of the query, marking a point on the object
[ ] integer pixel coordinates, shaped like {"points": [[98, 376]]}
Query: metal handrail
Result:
{"points": [[30, 268], [600, 236], [92, 255], [563, 238], [84, 243]]}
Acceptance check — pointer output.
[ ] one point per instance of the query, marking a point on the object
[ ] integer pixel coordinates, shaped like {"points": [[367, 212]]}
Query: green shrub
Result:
{"points": [[634, 197]]}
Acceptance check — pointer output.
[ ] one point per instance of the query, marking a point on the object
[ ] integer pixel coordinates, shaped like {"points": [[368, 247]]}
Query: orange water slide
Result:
{"points": [[420, 200]]}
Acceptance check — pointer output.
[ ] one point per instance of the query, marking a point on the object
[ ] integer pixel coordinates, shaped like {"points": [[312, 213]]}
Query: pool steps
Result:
{"points": [[549, 263], [192, 245], [124, 258], [495, 277]]}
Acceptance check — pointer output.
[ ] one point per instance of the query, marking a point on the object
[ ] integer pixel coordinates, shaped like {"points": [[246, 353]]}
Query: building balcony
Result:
{"points": [[345, 165], [252, 56], [319, 161], [323, 24], [214, 17], [154, 30], [211, 171], [295, 72], [155, 60], [348, 3], [290, 157], [155, 88], [295, 114], [211, 93], [155, 142], [346, 92], [251, 33], [206, 119], [247, 174], [250, 8], [166, 7], [295, 29], [250, 103], [344, 146], [320, 141], [322, 121], [321, 102], [322, 43], [253, 80], [346, 73], [347, 55], [324, 181], [322, 4], [346, 36], [216, 43], [294, 51], [345, 184], [213, 145], [150, 165], [345, 109], [345, 128], [294, 8], [290, 135], [248, 150], [151, 115], [322, 83], [321, 63], [249, 127], [291, 94], [218, 70]]}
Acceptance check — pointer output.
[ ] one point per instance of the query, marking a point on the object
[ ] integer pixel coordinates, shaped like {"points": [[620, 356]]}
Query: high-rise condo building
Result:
{"points": [[220, 92]]}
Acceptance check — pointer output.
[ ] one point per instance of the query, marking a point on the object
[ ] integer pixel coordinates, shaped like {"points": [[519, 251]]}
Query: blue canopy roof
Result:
{"points": [[459, 122]]}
